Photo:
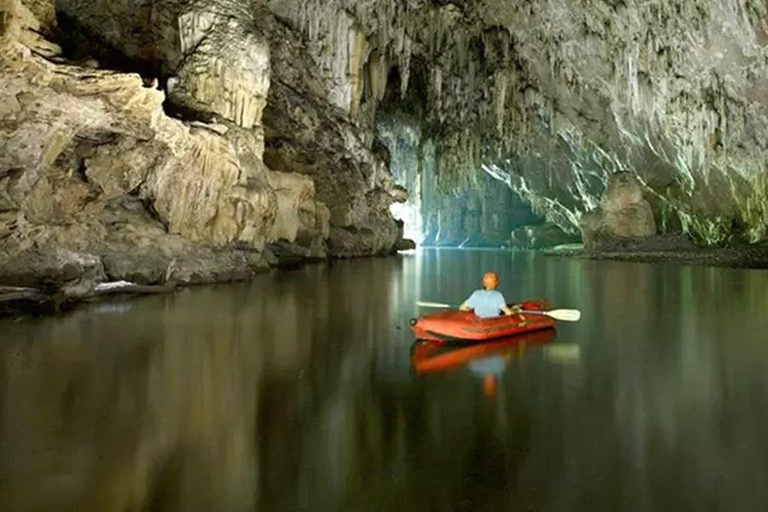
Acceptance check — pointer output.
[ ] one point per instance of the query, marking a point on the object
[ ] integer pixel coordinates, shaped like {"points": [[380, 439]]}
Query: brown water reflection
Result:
{"points": [[296, 392]]}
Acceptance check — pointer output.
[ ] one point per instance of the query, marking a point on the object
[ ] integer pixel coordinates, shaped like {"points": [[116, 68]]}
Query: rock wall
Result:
{"points": [[483, 215], [256, 125], [162, 177], [229, 59], [554, 97], [91, 164], [306, 134]]}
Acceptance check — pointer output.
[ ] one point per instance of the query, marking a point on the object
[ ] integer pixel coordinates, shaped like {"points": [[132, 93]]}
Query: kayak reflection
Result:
{"points": [[488, 358]]}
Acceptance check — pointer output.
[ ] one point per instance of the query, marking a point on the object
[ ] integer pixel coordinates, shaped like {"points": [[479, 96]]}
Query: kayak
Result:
{"points": [[458, 326], [430, 357]]}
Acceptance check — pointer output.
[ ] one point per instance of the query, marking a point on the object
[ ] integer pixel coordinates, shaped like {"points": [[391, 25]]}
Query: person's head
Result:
{"points": [[490, 281]]}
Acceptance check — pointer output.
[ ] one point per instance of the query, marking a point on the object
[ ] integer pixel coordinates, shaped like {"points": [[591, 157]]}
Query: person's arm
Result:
{"points": [[509, 311], [468, 304], [514, 310]]}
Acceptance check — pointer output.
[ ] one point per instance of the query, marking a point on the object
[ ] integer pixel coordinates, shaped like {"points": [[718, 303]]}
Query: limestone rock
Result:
{"points": [[306, 133], [140, 266], [623, 214], [219, 57], [300, 218], [90, 165], [51, 268], [204, 194], [119, 169], [192, 177], [44, 12], [284, 253], [405, 245], [207, 266], [228, 71], [552, 98]]}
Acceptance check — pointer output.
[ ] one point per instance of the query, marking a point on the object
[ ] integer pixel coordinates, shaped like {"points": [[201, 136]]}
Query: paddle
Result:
{"points": [[564, 315]]}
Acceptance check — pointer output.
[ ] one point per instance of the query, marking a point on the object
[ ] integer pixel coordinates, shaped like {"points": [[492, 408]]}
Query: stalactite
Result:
{"points": [[500, 101], [378, 72], [404, 63]]}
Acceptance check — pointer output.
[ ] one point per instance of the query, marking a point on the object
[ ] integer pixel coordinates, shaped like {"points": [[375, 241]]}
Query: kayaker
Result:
{"points": [[488, 302]]}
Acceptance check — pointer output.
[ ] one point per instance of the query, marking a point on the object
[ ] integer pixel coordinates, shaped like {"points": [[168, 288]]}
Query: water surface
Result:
{"points": [[296, 392]]}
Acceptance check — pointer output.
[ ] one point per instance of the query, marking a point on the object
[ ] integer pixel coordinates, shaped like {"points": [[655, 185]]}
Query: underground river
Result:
{"points": [[297, 391]]}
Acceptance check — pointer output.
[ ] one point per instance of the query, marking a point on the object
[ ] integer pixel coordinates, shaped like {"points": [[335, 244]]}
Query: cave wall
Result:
{"points": [[554, 97], [253, 123], [188, 173], [231, 59], [484, 216]]}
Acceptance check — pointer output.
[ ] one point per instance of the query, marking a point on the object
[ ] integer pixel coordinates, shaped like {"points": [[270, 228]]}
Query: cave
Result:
{"points": [[242, 134], [383, 254]]}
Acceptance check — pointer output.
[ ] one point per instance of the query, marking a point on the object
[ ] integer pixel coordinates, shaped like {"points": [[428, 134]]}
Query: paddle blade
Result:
{"points": [[565, 315], [433, 305]]}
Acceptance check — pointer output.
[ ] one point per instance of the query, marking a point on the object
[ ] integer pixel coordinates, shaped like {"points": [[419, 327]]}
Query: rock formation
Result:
{"points": [[554, 97], [623, 215], [194, 140], [98, 183]]}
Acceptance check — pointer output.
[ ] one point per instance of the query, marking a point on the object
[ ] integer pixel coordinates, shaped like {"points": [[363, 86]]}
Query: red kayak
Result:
{"points": [[458, 325], [428, 357]]}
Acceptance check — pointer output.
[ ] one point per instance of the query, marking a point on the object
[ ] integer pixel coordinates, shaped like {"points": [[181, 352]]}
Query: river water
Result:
{"points": [[303, 390]]}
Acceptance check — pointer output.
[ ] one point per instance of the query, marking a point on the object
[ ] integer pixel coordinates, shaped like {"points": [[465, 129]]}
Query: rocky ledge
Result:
{"points": [[671, 249]]}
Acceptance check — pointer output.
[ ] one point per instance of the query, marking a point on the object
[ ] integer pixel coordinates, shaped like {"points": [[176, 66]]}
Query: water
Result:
{"points": [[296, 392]]}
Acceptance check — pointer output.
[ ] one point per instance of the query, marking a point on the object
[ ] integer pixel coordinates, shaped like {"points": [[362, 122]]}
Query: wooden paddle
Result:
{"points": [[564, 315]]}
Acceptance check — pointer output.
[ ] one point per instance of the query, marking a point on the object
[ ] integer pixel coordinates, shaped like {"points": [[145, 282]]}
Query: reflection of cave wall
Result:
{"points": [[103, 412]]}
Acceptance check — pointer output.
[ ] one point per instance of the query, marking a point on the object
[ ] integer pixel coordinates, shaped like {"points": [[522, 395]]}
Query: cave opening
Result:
{"points": [[400, 128], [479, 212], [87, 48], [142, 48]]}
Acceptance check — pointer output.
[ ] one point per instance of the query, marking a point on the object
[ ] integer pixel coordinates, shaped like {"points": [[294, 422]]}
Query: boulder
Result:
{"points": [[405, 245], [623, 215], [51, 268]]}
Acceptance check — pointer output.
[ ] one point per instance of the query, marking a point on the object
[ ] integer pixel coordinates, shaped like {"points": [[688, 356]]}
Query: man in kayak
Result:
{"points": [[489, 302]]}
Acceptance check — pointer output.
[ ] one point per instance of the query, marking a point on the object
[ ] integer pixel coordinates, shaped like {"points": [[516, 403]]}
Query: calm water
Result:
{"points": [[296, 392]]}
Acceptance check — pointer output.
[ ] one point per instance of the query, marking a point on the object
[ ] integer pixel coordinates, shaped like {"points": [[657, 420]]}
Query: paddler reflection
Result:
{"points": [[487, 360]]}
